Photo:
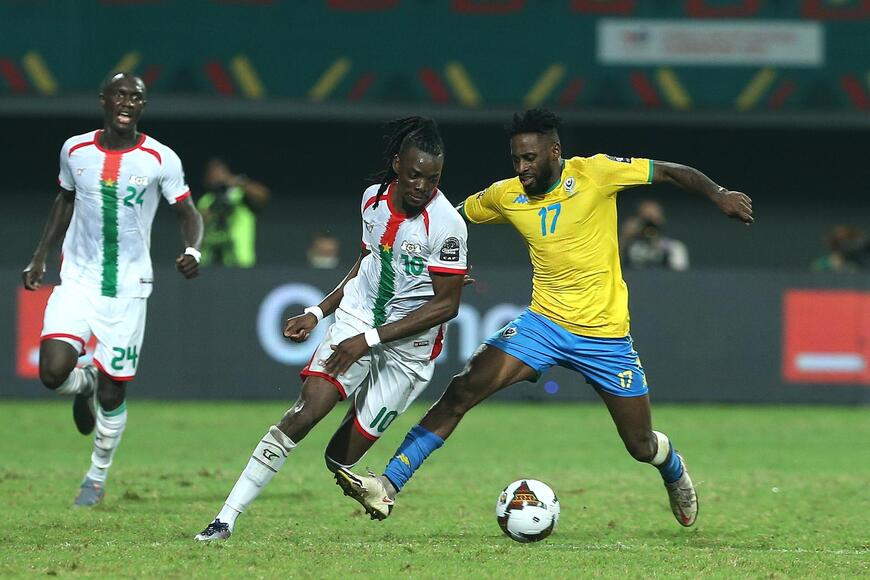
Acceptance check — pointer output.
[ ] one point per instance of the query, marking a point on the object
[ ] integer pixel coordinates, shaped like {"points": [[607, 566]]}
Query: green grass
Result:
{"points": [[784, 493]]}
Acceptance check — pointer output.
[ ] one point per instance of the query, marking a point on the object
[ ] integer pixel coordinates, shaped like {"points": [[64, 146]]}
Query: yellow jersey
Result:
{"points": [[571, 233]]}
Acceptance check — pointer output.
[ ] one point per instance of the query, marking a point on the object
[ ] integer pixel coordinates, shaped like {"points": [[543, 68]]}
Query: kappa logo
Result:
{"points": [[509, 332], [522, 198], [412, 247], [524, 496], [140, 181]]}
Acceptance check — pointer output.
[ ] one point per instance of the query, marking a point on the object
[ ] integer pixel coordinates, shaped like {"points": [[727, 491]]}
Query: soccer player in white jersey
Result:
{"points": [[390, 312], [111, 181]]}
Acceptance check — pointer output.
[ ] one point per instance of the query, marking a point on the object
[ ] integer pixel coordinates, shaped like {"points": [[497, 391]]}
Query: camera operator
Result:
{"points": [[229, 209], [849, 250], [643, 245]]}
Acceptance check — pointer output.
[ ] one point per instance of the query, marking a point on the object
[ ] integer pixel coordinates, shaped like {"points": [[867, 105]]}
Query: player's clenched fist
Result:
{"points": [[32, 275], [299, 328], [187, 265]]}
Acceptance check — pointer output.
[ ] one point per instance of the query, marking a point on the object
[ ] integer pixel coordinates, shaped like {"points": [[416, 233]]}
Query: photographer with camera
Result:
{"points": [[849, 250], [643, 245], [229, 209]]}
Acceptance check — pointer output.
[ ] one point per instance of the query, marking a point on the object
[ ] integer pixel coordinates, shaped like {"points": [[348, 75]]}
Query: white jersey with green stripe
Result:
{"points": [[395, 278], [107, 246]]}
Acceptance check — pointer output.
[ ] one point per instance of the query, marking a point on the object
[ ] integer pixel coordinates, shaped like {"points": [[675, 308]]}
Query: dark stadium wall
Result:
{"points": [[713, 336], [803, 181]]}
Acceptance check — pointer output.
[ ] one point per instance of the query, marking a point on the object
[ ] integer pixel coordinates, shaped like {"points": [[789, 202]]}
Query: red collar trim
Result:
{"points": [[119, 151]]}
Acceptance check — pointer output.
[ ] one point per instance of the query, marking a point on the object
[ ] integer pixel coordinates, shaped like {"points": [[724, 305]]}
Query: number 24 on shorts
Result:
{"points": [[130, 353]]}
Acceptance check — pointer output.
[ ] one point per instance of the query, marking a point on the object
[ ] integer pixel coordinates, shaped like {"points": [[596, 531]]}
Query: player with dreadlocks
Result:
{"points": [[565, 210], [390, 311]]}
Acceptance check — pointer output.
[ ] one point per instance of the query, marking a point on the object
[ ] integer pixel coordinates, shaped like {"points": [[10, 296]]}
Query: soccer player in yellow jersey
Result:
{"points": [[565, 210]]}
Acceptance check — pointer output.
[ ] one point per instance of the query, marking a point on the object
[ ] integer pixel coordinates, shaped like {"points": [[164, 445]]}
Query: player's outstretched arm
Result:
{"points": [[443, 306], [191, 232], [734, 204], [298, 328], [55, 228]]}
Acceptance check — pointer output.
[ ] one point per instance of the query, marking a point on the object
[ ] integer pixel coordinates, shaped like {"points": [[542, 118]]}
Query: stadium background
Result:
{"points": [[294, 94]]}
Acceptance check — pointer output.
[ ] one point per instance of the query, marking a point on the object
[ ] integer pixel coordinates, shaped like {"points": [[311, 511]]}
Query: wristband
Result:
{"points": [[372, 337], [194, 253], [316, 311]]}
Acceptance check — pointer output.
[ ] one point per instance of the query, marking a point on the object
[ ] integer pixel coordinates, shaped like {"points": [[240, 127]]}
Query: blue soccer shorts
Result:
{"points": [[610, 364]]}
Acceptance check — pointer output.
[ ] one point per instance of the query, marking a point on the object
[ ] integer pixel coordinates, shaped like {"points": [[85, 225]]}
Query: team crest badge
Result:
{"points": [[569, 185]]}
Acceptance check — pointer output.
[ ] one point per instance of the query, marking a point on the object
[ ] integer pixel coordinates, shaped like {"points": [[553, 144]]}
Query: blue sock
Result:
{"points": [[419, 443], [672, 468]]}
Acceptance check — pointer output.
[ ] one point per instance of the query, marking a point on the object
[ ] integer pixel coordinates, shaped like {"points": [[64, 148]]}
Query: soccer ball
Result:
{"points": [[527, 510]]}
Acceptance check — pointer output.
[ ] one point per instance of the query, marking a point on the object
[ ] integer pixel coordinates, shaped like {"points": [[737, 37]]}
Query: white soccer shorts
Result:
{"points": [[397, 371], [73, 314]]}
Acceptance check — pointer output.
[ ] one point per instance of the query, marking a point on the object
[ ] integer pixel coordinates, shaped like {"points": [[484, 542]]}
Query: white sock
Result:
{"points": [[107, 437], [75, 383], [266, 460]]}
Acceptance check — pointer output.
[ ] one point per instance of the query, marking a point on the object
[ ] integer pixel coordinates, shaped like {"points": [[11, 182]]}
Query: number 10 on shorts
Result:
{"points": [[121, 354], [384, 418]]}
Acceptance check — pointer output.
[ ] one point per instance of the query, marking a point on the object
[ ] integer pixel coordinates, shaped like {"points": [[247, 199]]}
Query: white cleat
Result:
{"points": [[217, 530], [684, 500], [368, 490]]}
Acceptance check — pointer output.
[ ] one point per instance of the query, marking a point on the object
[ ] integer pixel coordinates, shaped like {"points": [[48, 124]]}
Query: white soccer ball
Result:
{"points": [[527, 510]]}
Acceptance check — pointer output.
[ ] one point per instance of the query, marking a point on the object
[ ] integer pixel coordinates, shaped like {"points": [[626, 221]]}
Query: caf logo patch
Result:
{"points": [[569, 185], [509, 332], [450, 250]]}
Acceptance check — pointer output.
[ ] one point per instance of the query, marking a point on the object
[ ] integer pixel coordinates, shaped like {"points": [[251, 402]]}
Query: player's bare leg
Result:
{"points": [[317, 399], [345, 449], [347, 445], [58, 372], [110, 419], [633, 421], [488, 371]]}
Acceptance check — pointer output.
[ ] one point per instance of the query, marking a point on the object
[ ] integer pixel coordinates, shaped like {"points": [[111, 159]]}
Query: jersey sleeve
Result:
{"points": [[65, 177], [613, 174], [449, 243], [485, 207], [368, 200], [172, 184]]}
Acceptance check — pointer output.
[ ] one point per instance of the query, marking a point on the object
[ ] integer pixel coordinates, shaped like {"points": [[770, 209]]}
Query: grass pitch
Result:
{"points": [[784, 493]]}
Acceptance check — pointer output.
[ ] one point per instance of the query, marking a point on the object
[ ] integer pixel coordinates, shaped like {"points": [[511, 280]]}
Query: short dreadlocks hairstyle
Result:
{"points": [[402, 134]]}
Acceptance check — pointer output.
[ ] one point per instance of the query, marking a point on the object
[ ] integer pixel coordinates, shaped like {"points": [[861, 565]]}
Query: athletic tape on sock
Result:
{"points": [[107, 437], [664, 447], [266, 460]]}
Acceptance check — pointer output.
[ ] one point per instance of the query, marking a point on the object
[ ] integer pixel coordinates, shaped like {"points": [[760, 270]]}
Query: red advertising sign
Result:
{"points": [[31, 308], [826, 336]]}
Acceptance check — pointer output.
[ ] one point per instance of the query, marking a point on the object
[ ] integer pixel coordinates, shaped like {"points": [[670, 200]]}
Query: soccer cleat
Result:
{"points": [[368, 490], [217, 530], [684, 500], [84, 413], [90, 493]]}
